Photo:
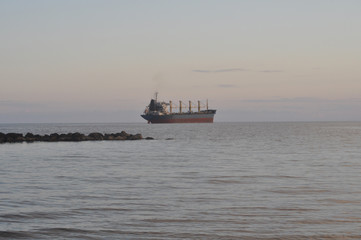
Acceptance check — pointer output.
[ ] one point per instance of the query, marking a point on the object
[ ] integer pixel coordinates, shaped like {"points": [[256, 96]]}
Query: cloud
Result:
{"points": [[306, 100], [270, 71], [284, 100], [221, 70], [230, 70], [225, 70]]}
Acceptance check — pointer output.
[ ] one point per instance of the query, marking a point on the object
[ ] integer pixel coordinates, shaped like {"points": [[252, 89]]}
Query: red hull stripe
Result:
{"points": [[185, 120]]}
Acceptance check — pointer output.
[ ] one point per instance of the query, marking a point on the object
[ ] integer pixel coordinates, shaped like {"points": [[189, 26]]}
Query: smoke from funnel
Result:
{"points": [[158, 82]]}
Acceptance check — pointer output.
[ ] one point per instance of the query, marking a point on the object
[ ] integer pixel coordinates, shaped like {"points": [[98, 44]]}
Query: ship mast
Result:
{"points": [[156, 96]]}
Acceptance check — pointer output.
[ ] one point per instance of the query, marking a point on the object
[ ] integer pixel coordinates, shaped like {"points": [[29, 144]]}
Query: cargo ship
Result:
{"points": [[168, 112]]}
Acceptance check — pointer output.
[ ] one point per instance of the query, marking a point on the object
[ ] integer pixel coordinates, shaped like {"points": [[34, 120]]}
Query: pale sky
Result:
{"points": [[254, 60]]}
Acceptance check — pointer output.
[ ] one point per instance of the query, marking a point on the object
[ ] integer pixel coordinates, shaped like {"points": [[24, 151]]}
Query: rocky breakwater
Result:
{"points": [[68, 137]]}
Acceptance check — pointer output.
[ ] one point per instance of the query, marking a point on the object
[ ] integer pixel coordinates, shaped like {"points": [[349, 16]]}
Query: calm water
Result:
{"points": [[208, 181]]}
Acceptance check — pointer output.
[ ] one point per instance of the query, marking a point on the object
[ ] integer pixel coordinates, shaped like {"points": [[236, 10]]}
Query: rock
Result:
{"points": [[108, 137], [2, 137], [95, 136], [76, 137], [29, 137], [37, 137], [135, 137], [45, 138], [120, 138], [123, 134], [63, 137], [54, 137], [14, 137], [149, 138]]}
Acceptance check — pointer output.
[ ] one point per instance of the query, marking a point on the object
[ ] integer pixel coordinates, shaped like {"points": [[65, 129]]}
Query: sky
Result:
{"points": [[254, 60]]}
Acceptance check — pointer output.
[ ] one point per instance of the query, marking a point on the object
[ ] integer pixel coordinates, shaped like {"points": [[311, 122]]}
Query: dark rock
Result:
{"points": [[149, 138], [37, 137], [64, 137], [77, 137], [108, 137], [14, 137], [95, 136], [135, 137], [45, 138], [2, 137], [123, 134], [54, 137], [120, 138], [29, 137]]}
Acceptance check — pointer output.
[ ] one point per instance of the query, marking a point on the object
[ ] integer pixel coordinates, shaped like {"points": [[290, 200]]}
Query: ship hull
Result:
{"points": [[180, 118]]}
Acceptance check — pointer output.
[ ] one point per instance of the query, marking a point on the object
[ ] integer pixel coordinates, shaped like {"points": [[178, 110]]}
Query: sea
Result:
{"points": [[265, 180]]}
